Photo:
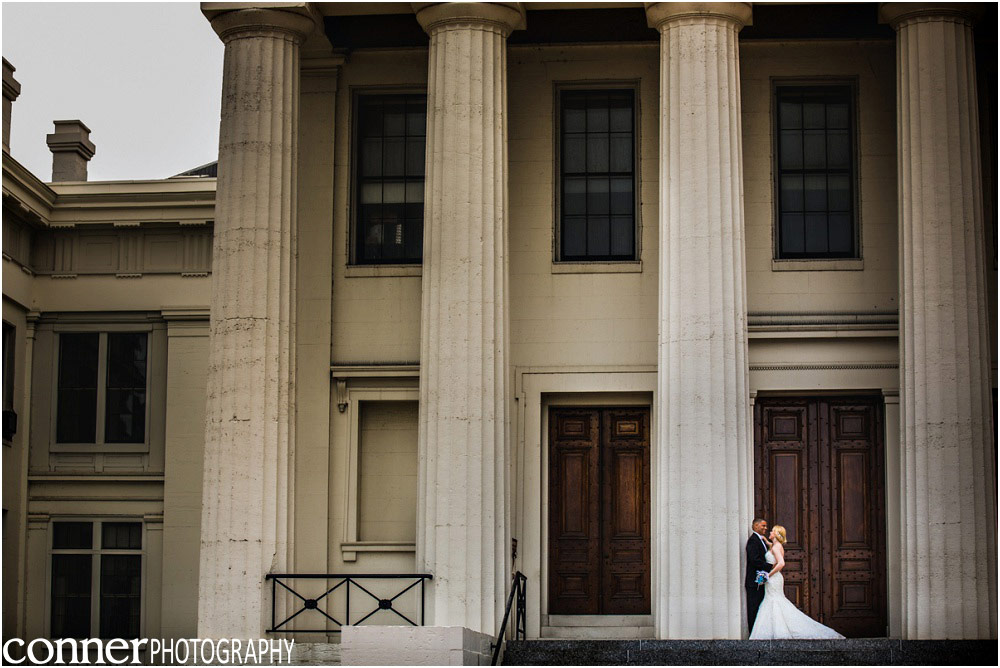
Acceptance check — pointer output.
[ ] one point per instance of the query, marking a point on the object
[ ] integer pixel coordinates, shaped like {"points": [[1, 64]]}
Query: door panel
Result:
{"points": [[599, 511], [574, 531], [819, 467], [625, 525]]}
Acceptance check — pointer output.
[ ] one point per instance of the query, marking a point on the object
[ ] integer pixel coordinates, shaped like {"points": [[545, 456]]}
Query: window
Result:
{"points": [[815, 172], [108, 575], [597, 175], [389, 183], [102, 387], [9, 416]]}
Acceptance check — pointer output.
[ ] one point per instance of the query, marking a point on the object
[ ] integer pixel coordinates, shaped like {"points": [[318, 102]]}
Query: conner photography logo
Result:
{"points": [[148, 651]]}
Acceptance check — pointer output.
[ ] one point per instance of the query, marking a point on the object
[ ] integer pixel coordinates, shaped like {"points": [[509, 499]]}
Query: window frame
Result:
{"points": [[95, 551], [99, 444], [827, 260], [9, 379], [355, 266], [561, 265]]}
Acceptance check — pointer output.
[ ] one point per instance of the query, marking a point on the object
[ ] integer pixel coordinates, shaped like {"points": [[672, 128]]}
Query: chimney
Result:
{"points": [[11, 89], [71, 151]]}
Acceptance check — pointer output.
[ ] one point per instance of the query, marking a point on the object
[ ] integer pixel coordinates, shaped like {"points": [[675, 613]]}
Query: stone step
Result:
{"points": [[853, 651]]}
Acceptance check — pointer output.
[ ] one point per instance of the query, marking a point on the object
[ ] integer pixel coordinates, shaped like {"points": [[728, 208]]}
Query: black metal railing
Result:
{"points": [[518, 592], [323, 603]]}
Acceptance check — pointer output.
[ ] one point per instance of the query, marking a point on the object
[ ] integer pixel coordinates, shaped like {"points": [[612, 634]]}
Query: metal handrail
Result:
{"points": [[519, 588], [346, 581]]}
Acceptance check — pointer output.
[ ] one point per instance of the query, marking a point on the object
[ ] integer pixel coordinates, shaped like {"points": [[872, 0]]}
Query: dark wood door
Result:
{"points": [[820, 472], [599, 511]]}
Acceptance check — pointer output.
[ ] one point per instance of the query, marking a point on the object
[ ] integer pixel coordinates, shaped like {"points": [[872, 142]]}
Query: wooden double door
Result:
{"points": [[599, 521], [820, 472]]}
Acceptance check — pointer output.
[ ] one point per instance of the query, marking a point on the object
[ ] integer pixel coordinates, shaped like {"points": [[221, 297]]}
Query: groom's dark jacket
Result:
{"points": [[755, 559]]}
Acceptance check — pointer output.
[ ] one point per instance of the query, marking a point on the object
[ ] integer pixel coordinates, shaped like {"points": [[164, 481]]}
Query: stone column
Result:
{"points": [[949, 485], [249, 434], [462, 525], [703, 405]]}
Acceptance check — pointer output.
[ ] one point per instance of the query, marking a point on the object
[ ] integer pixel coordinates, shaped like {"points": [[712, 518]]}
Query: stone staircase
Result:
{"points": [[855, 651]]}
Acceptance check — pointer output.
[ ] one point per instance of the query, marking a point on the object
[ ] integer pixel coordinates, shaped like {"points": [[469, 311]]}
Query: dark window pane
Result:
{"points": [[121, 587], [813, 115], [816, 240], [597, 153], [415, 156], [791, 193], [597, 114], [621, 196], [71, 580], [838, 149], [839, 192], [621, 152], [574, 115], [574, 196], [76, 403], [622, 242], [814, 149], [620, 114], [413, 238], [394, 123], [841, 234], [836, 115], [574, 237], [121, 535], [598, 201], [815, 192], [393, 157], [574, 154], [416, 119], [78, 360], [792, 234], [371, 120], [791, 149], [72, 535], [598, 236], [125, 400], [127, 360], [790, 115], [371, 157]]}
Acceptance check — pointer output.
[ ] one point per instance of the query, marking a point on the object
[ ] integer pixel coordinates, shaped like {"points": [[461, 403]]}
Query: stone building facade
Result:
{"points": [[575, 291]]}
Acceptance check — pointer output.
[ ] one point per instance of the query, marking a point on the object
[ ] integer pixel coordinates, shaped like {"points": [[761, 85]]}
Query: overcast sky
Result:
{"points": [[146, 78]]}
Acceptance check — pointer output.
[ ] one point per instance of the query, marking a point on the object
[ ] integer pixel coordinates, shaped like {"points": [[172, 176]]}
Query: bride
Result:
{"points": [[777, 617]]}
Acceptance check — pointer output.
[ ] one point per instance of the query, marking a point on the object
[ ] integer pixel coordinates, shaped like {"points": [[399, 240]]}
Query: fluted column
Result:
{"points": [[462, 527], [949, 485], [703, 385], [249, 439]]}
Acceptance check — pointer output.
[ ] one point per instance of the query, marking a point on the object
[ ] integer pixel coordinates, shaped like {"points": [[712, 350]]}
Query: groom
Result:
{"points": [[756, 549]]}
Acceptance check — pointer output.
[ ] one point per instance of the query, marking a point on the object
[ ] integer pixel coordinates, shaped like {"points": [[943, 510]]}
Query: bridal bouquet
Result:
{"points": [[761, 578]]}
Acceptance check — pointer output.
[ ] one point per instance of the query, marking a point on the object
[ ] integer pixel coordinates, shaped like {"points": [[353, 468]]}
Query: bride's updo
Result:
{"points": [[779, 533]]}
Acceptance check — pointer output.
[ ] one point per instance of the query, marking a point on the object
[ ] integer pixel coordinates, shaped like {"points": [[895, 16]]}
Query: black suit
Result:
{"points": [[755, 562]]}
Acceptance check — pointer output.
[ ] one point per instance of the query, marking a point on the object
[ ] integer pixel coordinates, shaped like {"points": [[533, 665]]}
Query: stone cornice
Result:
{"points": [[27, 190], [659, 14], [505, 16], [898, 13]]}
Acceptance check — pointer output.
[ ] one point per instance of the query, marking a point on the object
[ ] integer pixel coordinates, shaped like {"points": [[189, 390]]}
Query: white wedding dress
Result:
{"points": [[778, 618]]}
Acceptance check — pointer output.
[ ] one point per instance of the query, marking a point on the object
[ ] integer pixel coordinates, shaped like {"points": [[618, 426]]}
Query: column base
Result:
{"points": [[414, 646]]}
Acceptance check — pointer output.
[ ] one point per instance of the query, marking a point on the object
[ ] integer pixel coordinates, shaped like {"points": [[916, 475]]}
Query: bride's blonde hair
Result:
{"points": [[779, 533]]}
